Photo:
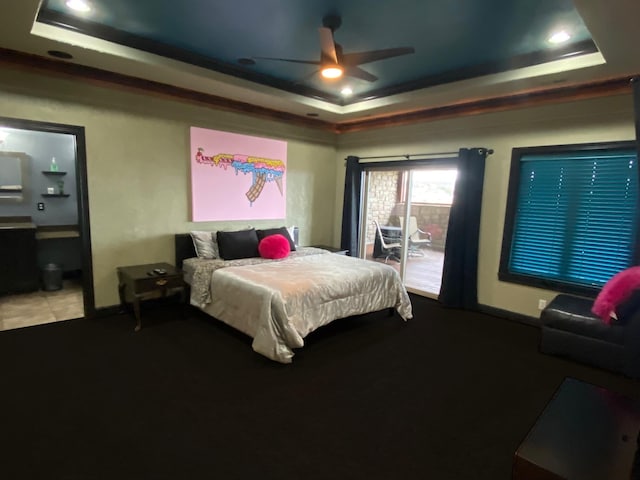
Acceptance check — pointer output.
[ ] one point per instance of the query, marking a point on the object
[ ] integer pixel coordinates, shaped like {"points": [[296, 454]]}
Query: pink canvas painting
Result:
{"points": [[237, 177]]}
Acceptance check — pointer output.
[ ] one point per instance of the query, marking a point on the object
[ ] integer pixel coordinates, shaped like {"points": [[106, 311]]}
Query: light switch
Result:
{"points": [[40, 205]]}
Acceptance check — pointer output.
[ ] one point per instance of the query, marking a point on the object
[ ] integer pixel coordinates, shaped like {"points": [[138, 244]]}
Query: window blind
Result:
{"points": [[576, 216]]}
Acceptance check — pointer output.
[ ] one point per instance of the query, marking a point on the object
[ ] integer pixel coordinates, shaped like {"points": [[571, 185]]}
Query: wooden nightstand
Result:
{"points": [[138, 282], [339, 251]]}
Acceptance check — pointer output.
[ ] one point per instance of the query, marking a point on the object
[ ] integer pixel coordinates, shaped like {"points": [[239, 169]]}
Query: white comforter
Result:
{"points": [[278, 303]]}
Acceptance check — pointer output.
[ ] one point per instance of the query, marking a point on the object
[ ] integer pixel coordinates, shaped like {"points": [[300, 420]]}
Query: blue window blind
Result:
{"points": [[576, 215]]}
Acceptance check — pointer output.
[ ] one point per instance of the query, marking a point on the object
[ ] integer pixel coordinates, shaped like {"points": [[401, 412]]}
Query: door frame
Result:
{"points": [[437, 162], [82, 195]]}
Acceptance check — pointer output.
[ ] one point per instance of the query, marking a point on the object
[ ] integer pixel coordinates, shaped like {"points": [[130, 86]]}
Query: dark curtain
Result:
{"points": [[635, 82], [351, 206], [460, 271]]}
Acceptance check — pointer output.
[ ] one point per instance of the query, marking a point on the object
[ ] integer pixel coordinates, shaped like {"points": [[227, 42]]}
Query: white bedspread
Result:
{"points": [[278, 303]]}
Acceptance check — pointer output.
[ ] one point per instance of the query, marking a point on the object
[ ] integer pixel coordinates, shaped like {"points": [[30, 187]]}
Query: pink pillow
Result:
{"points": [[274, 246], [614, 292]]}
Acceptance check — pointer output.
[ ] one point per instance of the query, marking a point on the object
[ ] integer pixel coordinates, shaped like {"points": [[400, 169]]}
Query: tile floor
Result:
{"points": [[36, 308]]}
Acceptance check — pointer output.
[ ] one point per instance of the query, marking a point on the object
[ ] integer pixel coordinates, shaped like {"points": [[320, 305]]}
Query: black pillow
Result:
{"points": [[628, 308], [272, 231], [239, 244]]}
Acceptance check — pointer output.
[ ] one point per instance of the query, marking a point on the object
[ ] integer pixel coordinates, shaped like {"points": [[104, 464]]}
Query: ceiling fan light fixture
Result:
{"points": [[332, 71]]}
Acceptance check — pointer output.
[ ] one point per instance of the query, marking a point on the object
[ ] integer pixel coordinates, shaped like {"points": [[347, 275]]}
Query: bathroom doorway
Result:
{"points": [[46, 208]]}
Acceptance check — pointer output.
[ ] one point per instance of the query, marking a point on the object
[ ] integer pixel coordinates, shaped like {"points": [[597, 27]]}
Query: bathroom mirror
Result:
{"points": [[13, 176]]}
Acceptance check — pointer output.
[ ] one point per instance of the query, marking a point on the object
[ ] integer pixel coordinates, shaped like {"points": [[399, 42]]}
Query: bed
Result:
{"points": [[279, 302]]}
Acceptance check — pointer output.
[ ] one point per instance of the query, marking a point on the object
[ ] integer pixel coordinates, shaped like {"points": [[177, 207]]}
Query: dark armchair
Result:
{"points": [[570, 329]]}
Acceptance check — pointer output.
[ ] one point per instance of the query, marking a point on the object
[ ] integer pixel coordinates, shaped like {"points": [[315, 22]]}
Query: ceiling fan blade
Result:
{"points": [[357, 72], [327, 45], [290, 60], [374, 55], [302, 80]]}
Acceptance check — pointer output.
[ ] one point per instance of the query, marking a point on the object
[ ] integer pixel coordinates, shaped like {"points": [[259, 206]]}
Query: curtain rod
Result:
{"points": [[408, 156]]}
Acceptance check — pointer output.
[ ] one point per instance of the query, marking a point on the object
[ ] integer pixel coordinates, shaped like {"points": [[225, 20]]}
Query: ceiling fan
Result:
{"points": [[334, 63]]}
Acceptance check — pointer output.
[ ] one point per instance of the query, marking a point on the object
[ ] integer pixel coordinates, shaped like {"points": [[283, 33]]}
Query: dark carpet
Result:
{"points": [[447, 395]]}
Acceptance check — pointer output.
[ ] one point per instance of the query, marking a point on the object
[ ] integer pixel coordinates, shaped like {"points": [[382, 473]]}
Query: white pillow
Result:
{"points": [[205, 244]]}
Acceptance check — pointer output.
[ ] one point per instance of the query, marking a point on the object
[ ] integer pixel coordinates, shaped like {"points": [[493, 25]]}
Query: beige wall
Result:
{"points": [[137, 162], [596, 120], [138, 167]]}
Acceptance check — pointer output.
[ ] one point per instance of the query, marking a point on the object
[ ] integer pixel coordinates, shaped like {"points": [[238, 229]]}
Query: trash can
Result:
{"points": [[51, 277]]}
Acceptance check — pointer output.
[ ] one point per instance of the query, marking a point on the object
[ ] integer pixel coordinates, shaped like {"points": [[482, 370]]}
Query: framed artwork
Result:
{"points": [[237, 177]]}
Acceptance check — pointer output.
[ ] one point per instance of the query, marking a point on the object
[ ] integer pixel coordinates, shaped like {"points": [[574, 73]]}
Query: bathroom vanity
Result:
{"points": [[18, 255]]}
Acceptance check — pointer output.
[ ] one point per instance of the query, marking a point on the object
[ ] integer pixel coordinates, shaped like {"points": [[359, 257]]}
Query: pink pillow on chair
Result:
{"points": [[615, 291], [274, 246]]}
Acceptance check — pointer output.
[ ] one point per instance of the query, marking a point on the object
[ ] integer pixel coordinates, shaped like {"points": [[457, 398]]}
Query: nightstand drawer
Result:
{"points": [[143, 285]]}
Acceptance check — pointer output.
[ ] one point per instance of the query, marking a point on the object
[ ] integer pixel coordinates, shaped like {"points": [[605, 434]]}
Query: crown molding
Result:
{"points": [[534, 97], [528, 98], [101, 77]]}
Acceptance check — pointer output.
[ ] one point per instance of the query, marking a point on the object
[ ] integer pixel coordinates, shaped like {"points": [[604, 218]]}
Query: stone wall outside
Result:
{"points": [[384, 207], [383, 192]]}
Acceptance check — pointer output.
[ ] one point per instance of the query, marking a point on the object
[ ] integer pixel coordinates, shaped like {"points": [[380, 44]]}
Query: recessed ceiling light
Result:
{"points": [[346, 91], [559, 37], [60, 54], [78, 5]]}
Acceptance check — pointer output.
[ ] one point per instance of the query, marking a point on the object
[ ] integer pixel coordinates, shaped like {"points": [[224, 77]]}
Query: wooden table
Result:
{"points": [[140, 283], [584, 433]]}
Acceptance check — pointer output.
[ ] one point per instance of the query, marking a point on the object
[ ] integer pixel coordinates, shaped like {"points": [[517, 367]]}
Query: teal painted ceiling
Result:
{"points": [[452, 39]]}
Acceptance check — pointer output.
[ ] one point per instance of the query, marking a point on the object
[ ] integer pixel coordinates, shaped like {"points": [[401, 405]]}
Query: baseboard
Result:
{"points": [[506, 314], [72, 274], [157, 302], [169, 300], [108, 311]]}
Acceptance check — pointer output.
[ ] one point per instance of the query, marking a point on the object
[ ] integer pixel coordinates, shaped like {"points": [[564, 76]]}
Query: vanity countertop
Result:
{"points": [[16, 222], [43, 232], [46, 232], [16, 225]]}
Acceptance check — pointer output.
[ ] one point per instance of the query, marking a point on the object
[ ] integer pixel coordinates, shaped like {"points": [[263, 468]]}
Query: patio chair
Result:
{"points": [[390, 247], [417, 238]]}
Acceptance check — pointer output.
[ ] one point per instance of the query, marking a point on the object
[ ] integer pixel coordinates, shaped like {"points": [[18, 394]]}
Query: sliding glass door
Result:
{"points": [[405, 220]]}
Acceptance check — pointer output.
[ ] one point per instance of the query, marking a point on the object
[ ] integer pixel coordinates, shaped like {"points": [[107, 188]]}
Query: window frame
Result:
{"points": [[512, 206], [444, 163]]}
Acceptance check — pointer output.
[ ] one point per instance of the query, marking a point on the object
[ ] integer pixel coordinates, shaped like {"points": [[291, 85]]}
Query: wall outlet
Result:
{"points": [[40, 206], [541, 304]]}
